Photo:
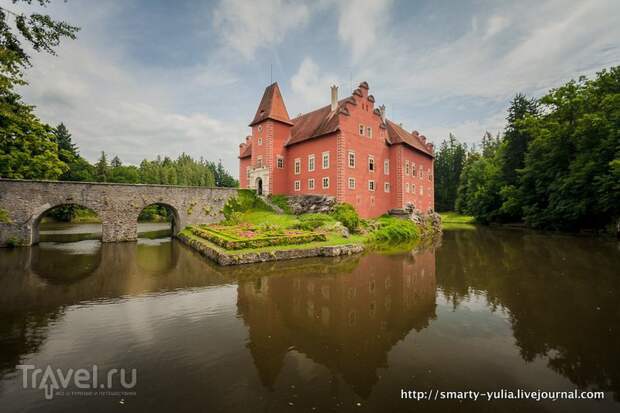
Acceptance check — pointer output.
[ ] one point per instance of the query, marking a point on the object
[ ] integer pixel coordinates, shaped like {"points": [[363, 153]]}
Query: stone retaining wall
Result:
{"points": [[277, 255]]}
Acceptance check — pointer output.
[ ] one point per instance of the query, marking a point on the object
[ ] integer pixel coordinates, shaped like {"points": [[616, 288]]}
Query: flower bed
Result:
{"points": [[237, 237]]}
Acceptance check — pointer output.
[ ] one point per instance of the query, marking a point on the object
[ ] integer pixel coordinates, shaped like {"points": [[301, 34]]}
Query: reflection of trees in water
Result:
{"points": [[561, 293], [38, 283], [345, 317]]}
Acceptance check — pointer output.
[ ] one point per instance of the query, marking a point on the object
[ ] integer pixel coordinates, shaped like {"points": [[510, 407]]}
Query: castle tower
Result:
{"points": [[270, 129]]}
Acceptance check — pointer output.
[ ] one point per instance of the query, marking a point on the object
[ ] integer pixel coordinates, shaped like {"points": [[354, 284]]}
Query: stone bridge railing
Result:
{"points": [[23, 204]]}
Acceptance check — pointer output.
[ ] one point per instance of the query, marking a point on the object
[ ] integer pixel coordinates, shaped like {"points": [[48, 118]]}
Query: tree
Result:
{"points": [[102, 168], [516, 137], [116, 162], [449, 163], [28, 148]]}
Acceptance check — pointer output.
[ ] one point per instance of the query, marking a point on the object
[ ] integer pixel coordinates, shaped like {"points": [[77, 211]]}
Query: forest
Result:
{"points": [[556, 165]]}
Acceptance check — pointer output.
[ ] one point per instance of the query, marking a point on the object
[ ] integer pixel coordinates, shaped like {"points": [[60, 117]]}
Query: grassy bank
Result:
{"points": [[452, 220]]}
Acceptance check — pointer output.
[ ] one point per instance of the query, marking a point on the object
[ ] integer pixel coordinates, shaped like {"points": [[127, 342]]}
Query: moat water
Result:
{"points": [[482, 310]]}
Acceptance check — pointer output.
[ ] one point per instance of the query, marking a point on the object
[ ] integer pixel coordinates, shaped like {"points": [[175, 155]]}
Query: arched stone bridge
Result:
{"points": [[117, 205]]}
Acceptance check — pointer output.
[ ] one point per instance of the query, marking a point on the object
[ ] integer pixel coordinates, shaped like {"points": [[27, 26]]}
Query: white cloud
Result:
{"points": [[246, 26], [540, 53], [310, 87], [469, 131], [360, 23]]}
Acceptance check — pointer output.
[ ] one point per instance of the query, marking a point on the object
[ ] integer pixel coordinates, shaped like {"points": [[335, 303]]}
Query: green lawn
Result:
{"points": [[454, 218]]}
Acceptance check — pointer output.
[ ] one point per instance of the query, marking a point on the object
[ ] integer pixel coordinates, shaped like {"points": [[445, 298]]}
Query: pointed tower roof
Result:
{"points": [[272, 106]]}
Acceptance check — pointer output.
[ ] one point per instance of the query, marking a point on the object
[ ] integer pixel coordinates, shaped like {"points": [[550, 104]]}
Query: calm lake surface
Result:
{"points": [[483, 310]]}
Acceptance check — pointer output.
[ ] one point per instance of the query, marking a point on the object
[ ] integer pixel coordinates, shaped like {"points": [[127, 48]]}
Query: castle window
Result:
{"points": [[311, 163], [260, 128], [311, 184], [325, 160], [259, 161], [297, 185], [260, 141], [280, 162], [413, 189], [406, 167], [369, 132], [371, 185], [297, 166], [371, 163], [386, 187], [407, 187], [351, 159], [386, 167], [351, 183], [325, 182], [361, 130]]}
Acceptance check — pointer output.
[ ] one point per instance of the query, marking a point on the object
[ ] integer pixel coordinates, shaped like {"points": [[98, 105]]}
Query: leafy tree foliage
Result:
{"points": [[449, 163], [558, 163], [28, 148]]}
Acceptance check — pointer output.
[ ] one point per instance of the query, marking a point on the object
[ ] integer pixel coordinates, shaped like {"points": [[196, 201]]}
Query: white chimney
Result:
{"points": [[334, 97]]}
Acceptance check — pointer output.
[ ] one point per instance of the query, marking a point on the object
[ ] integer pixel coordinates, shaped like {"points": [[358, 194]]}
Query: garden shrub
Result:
{"points": [[346, 214], [390, 230], [282, 202], [245, 200], [310, 222]]}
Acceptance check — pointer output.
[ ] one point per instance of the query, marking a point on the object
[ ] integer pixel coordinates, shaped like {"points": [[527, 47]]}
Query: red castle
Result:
{"points": [[347, 149]]}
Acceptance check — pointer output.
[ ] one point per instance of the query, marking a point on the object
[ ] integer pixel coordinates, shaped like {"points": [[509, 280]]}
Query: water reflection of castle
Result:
{"points": [[347, 322]]}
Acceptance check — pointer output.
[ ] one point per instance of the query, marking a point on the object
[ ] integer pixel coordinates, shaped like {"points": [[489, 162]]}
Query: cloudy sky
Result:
{"points": [[164, 77]]}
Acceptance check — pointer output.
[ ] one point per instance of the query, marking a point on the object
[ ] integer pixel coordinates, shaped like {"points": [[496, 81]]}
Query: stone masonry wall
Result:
{"points": [[117, 205]]}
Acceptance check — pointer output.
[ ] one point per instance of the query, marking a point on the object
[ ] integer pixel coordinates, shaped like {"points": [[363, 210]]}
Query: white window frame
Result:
{"points": [[351, 180], [260, 128], [325, 160], [421, 190], [259, 161], [280, 162], [407, 167], [386, 167], [407, 187], [369, 132], [413, 189], [311, 184], [349, 159], [386, 187], [414, 169], [323, 180], [371, 160], [311, 163], [421, 173], [371, 185], [260, 141], [297, 166], [297, 185]]}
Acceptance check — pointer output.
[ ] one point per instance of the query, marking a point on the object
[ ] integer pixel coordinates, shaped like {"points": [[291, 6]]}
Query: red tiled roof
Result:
{"points": [[316, 123], [271, 106], [397, 134], [246, 150]]}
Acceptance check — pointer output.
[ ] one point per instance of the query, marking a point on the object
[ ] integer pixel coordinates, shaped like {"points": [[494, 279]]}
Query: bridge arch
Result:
{"points": [[45, 210], [173, 215]]}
